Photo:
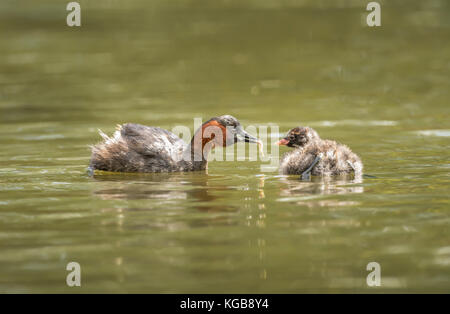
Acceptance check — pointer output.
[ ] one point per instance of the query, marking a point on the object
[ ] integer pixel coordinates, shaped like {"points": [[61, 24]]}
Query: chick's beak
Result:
{"points": [[283, 141]]}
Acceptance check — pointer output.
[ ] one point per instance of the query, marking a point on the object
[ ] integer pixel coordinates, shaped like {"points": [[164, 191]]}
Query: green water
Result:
{"points": [[383, 91]]}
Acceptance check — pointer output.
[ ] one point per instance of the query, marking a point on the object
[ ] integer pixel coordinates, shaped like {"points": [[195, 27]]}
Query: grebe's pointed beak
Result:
{"points": [[243, 136], [283, 141]]}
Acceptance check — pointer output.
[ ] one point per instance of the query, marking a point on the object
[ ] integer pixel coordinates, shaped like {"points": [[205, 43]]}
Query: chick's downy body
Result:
{"points": [[334, 158]]}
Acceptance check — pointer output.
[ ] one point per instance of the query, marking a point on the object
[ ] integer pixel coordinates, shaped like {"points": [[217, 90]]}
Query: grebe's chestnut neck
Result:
{"points": [[218, 131]]}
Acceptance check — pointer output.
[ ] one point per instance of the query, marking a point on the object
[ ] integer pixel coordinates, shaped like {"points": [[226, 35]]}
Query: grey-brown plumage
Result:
{"points": [[332, 158], [139, 148]]}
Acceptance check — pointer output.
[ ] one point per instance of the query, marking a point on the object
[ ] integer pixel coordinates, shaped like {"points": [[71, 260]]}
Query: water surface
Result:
{"points": [[385, 92]]}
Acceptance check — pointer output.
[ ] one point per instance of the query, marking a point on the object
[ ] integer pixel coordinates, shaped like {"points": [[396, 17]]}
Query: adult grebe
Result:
{"points": [[316, 156], [139, 148]]}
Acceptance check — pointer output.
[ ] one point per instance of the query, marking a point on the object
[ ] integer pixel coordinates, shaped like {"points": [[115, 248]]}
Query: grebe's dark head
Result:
{"points": [[226, 130], [299, 136]]}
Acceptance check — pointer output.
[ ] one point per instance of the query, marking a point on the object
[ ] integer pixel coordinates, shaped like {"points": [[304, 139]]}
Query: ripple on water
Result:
{"points": [[42, 137], [442, 256], [441, 133], [355, 123]]}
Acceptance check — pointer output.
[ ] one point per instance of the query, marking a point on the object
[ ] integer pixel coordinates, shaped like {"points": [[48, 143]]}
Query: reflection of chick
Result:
{"points": [[322, 186], [300, 192], [317, 156]]}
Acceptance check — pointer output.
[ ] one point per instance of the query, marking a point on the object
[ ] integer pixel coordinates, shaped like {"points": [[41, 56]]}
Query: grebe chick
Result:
{"points": [[316, 156], [139, 148]]}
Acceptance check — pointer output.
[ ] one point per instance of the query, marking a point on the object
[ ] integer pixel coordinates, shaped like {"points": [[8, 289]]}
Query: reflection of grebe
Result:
{"points": [[139, 186], [174, 188], [139, 148], [317, 156], [135, 186]]}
